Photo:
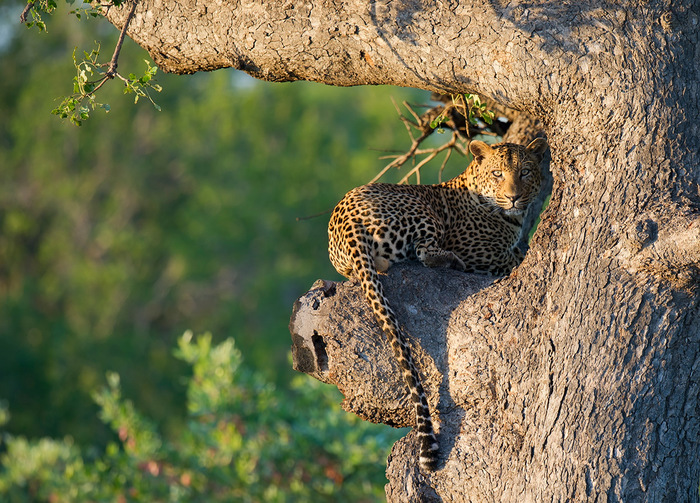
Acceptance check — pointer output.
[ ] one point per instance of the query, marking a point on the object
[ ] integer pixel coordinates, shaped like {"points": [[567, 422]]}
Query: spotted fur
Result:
{"points": [[470, 223]]}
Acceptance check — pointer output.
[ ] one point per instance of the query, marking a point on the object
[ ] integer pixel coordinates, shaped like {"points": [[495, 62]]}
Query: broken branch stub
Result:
{"points": [[336, 339]]}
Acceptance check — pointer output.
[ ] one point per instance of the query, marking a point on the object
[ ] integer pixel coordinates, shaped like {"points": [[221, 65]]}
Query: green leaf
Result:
{"points": [[434, 123]]}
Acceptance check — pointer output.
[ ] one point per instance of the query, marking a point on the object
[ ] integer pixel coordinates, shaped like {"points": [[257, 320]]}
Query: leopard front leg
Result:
{"points": [[433, 256]]}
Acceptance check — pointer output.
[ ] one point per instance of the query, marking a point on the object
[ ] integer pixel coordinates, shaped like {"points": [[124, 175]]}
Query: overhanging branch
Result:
{"points": [[346, 43]]}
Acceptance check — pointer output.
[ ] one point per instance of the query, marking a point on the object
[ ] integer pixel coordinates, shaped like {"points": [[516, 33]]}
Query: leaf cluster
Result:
{"points": [[38, 7], [90, 76], [470, 106]]}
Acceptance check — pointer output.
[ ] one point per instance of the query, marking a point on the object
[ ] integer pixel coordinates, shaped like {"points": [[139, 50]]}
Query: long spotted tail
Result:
{"points": [[374, 293]]}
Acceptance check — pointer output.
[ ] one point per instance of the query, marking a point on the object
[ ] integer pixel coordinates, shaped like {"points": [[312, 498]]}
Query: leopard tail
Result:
{"points": [[374, 293]]}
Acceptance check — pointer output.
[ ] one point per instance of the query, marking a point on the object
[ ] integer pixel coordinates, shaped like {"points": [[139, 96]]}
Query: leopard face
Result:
{"points": [[507, 176]]}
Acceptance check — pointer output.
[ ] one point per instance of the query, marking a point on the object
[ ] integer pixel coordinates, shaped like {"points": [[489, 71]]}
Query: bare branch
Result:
{"points": [[432, 154], [27, 8], [415, 115], [112, 71], [452, 114]]}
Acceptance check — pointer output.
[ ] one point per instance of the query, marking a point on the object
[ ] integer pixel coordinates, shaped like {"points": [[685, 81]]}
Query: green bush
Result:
{"points": [[242, 441]]}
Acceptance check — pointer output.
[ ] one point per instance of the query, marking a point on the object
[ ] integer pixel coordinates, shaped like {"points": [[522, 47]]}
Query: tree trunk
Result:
{"points": [[576, 377]]}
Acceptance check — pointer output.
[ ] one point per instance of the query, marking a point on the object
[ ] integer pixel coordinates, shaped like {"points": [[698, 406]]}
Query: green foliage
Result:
{"points": [[477, 109], [244, 441], [77, 106], [36, 9], [39, 7], [140, 86], [91, 74], [470, 106], [92, 10], [4, 413]]}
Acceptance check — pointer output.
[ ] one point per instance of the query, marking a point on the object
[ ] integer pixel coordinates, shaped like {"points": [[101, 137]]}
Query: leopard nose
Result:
{"points": [[513, 198]]}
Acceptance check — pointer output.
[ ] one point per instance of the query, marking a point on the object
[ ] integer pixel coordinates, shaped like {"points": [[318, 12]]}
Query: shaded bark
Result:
{"points": [[576, 377]]}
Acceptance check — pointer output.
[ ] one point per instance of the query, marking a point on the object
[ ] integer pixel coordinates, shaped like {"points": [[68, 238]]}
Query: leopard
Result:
{"points": [[471, 223]]}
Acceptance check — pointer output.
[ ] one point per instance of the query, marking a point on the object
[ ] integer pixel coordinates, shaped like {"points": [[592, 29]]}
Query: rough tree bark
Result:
{"points": [[576, 377]]}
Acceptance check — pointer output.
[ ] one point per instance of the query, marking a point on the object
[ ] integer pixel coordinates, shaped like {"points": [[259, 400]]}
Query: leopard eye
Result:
{"points": [[524, 172], [497, 173]]}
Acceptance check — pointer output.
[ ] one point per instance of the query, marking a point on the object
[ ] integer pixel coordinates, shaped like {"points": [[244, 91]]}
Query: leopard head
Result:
{"points": [[507, 175]]}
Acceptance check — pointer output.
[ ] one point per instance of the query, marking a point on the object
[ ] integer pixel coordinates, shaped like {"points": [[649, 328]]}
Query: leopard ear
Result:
{"points": [[538, 146], [480, 150]]}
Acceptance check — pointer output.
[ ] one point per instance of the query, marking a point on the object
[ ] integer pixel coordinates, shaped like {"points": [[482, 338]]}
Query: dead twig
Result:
{"points": [[432, 153], [422, 125], [453, 113], [27, 8]]}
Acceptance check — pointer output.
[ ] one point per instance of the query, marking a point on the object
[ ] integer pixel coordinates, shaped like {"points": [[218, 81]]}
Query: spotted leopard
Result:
{"points": [[471, 223]]}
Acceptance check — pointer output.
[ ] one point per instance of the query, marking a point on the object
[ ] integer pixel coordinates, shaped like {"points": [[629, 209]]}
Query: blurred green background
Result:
{"points": [[117, 237]]}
